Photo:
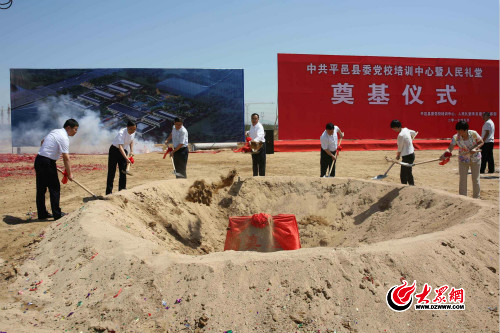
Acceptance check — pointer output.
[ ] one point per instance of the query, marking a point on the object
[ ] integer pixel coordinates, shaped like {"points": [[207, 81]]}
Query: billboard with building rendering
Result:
{"points": [[209, 100]]}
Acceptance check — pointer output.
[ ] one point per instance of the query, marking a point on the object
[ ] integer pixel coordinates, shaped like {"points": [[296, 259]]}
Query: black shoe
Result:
{"points": [[58, 217], [44, 217]]}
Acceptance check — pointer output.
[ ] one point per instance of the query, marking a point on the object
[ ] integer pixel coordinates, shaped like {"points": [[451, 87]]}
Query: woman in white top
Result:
{"points": [[118, 155], [469, 156]]}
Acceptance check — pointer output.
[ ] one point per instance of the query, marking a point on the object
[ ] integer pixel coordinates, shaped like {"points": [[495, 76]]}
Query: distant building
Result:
{"points": [[103, 94], [117, 89], [155, 121], [181, 87], [90, 100], [143, 128], [130, 84], [165, 115], [117, 108]]}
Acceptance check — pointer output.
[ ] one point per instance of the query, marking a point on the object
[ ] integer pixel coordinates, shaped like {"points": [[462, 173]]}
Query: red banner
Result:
{"points": [[361, 95]]}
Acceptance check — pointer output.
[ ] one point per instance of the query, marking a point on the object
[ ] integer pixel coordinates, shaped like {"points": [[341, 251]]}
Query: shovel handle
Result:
{"points": [[429, 161], [173, 165], [385, 174], [77, 183]]}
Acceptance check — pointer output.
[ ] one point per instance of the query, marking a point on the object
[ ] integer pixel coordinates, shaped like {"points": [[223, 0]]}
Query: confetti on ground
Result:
{"points": [[119, 292], [94, 256]]}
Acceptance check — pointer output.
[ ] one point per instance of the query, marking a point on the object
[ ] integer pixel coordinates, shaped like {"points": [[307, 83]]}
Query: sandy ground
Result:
{"points": [[156, 247]]}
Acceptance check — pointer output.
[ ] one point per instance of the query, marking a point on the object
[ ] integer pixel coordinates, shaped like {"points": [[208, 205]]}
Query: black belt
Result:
{"points": [[47, 158]]}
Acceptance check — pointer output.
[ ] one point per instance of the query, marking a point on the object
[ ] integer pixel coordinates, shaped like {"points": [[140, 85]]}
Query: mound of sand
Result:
{"points": [[148, 260]]}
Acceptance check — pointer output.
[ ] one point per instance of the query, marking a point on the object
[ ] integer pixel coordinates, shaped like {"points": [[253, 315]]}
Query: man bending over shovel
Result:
{"points": [[179, 137], [118, 155], [406, 150], [329, 149], [53, 145]]}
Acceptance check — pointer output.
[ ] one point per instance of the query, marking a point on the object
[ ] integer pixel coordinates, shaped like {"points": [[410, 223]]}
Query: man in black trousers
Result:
{"points": [[488, 138], [257, 134], [329, 145], [180, 152], [55, 144], [118, 155]]}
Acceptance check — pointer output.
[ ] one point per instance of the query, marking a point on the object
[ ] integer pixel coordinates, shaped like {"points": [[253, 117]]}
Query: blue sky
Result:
{"points": [[237, 34]]}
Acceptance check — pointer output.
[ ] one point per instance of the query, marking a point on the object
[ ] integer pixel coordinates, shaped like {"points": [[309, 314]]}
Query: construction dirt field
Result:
{"points": [[151, 258]]}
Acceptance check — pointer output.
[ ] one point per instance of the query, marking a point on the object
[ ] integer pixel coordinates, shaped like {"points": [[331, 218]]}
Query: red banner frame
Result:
{"points": [[362, 94]]}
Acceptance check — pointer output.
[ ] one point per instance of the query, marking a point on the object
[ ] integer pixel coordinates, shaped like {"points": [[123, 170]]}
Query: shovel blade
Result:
{"points": [[379, 177]]}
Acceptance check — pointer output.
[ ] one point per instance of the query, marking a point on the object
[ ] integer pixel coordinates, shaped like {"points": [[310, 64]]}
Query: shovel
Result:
{"points": [[127, 170], [398, 162], [100, 197], [385, 174], [178, 175], [412, 165]]}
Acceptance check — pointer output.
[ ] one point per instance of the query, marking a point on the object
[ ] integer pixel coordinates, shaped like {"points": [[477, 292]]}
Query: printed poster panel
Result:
{"points": [[209, 100]]}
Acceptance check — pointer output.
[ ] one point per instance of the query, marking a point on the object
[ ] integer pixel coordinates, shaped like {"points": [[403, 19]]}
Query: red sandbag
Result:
{"points": [[262, 233]]}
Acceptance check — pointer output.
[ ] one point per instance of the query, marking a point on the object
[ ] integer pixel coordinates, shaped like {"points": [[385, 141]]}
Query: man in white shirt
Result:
{"points": [[405, 150], [180, 153], [53, 145], [257, 134], [118, 155], [329, 149], [488, 138]]}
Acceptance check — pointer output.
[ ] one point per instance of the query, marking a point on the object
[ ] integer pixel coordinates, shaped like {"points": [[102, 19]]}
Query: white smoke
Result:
{"points": [[5, 135], [92, 137]]}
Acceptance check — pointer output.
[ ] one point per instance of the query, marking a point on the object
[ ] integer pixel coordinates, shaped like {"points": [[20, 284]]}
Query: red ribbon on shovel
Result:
{"points": [[447, 156], [246, 148], [64, 180], [168, 151]]}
